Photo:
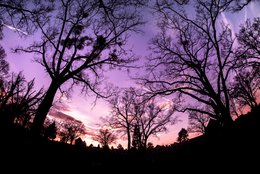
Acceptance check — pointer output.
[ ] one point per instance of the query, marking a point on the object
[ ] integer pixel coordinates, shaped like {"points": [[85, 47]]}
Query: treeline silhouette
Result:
{"points": [[233, 149]]}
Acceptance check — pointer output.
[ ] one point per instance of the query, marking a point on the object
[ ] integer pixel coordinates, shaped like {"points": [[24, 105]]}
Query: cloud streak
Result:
{"points": [[62, 116], [228, 24], [15, 29]]}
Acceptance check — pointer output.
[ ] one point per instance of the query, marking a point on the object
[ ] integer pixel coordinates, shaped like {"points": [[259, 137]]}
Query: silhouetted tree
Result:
{"points": [[4, 65], [123, 112], [154, 120], [150, 146], [234, 5], [237, 5], [196, 62], [133, 111], [249, 43], [136, 141], [71, 130], [79, 143], [18, 16], [24, 14], [79, 41], [104, 137], [120, 147], [18, 100], [182, 135], [51, 131], [197, 122], [245, 87]]}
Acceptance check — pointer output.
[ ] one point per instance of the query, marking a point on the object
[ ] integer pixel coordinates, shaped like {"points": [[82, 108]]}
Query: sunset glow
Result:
{"points": [[83, 107]]}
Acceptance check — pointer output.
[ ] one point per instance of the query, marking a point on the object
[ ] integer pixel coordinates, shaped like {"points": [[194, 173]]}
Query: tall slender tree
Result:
{"points": [[124, 108], [154, 120]]}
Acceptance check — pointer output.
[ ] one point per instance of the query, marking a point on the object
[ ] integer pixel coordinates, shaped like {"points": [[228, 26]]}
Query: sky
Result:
{"points": [[81, 107]]}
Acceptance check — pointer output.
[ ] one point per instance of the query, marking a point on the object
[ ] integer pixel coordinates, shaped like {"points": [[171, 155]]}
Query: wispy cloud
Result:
{"points": [[61, 115], [61, 106], [64, 110], [227, 23], [15, 29]]}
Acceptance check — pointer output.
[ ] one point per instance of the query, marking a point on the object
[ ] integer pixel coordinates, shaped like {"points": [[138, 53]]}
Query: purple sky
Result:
{"points": [[81, 107]]}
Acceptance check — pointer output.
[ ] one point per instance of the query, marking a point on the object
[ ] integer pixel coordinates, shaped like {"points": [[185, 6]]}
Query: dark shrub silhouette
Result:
{"points": [[182, 135], [51, 131]]}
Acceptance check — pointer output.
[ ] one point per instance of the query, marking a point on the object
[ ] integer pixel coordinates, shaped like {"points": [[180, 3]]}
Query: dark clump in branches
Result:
{"points": [[195, 63], [78, 42]]}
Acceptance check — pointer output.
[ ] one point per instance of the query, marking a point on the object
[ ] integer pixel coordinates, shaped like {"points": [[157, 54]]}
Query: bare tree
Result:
{"points": [[4, 65], [4, 69], [80, 41], [154, 120], [197, 122], [136, 138], [124, 107], [21, 15], [193, 58], [104, 137], [18, 100], [249, 41], [71, 130], [134, 112], [237, 5], [245, 87]]}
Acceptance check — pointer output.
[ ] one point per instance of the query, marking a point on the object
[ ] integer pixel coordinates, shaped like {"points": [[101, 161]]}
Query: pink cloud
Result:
{"points": [[61, 115]]}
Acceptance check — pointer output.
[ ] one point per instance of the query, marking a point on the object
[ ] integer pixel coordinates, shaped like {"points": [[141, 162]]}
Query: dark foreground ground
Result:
{"points": [[233, 151]]}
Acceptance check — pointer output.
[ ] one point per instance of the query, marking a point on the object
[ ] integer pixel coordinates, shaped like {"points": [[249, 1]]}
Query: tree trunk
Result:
{"points": [[145, 144], [44, 108], [227, 120], [128, 139]]}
